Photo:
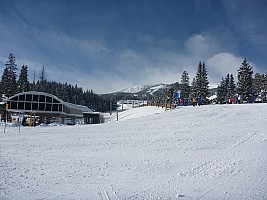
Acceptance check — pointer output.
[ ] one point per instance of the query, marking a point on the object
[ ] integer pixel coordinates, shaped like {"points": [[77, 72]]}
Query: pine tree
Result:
{"points": [[33, 84], [5, 81], [185, 85], [200, 88], [8, 82], [221, 91], [231, 86], [264, 92], [227, 83], [244, 84], [226, 89], [23, 81], [193, 93], [43, 81], [258, 84]]}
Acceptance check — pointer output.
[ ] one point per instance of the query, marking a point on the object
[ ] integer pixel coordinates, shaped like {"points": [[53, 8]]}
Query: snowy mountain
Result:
{"points": [[135, 89], [148, 89], [206, 152], [153, 89]]}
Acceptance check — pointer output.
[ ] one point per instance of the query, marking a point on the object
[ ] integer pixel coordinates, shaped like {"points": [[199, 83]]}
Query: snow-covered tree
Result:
{"points": [[244, 84]]}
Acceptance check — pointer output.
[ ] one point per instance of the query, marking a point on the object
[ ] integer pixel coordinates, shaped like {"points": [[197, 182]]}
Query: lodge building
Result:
{"points": [[49, 107]]}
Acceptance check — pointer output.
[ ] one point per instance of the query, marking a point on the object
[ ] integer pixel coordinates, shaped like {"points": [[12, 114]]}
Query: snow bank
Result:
{"points": [[208, 152]]}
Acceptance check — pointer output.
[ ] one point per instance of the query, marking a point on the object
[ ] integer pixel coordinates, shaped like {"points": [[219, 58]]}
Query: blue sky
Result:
{"points": [[109, 45]]}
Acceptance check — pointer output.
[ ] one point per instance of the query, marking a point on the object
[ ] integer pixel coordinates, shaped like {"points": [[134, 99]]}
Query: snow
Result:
{"points": [[133, 113], [135, 89], [139, 88], [212, 97], [154, 89], [207, 152]]}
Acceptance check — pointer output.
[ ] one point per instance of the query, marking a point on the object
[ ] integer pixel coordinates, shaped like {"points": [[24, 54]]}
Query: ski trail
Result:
{"points": [[103, 193], [219, 184], [106, 193]]}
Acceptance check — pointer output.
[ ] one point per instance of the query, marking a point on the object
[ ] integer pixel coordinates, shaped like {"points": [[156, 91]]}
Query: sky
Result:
{"points": [[108, 45]]}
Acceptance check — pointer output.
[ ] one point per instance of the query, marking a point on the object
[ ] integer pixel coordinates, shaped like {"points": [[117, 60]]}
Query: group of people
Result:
{"points": [[185, 102], [198, 101]]}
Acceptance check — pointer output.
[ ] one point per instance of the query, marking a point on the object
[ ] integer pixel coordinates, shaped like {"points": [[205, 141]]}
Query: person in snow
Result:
{"points": [[200, 101], [181, 102], [194, 101]]}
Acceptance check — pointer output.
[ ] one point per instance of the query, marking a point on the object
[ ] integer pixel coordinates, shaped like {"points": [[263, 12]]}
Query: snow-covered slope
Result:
{"points": [[150, 89], [155, 88], [135, 89], [209, 152]]}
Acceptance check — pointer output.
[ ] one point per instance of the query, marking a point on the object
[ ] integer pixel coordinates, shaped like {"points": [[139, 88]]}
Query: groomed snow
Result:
{"points": [[208, 152]]}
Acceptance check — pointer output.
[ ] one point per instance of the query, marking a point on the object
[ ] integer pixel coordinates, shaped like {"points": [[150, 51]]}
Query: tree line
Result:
{"points": [[247, 88], [11, 84]]}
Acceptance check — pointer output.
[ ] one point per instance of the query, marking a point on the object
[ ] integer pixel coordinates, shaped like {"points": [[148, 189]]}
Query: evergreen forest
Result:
{"points": [[11, 84], [246, 87]]}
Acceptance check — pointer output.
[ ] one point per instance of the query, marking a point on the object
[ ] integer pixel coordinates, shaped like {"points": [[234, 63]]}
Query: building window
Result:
{"points": [[41, 98], [48, 99], [34, 106], [28, 106], [41, 106], [55, 107], [48, 107], [21, 97], [21, 105], [35, 98], [55, 101], [28, 97], [13, 105]]}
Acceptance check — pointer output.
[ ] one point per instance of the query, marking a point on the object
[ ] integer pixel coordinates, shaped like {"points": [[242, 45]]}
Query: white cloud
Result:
{"points": [[220, 64], [200, 46], [91, 65]]}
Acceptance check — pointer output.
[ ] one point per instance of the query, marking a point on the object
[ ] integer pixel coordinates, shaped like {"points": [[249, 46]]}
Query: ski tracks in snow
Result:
{"points": [[106, 193]]}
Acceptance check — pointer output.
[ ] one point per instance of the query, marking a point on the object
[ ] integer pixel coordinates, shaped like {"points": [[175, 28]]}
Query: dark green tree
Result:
{"points": [[23, 81], [244, 84], [193, 90], [264, 92], [222, 92], [8, 82], [42, 80], [226, 85], [200, 89], [185, 87], [258, 84], [226, 89], [231, 89]]}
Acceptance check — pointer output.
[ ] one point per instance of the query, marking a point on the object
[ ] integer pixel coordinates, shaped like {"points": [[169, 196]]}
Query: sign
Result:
{"points": [[177, 94]]}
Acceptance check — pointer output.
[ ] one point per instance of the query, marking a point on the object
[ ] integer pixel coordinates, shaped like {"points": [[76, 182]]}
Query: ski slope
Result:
{"points": [[208, 152]]}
